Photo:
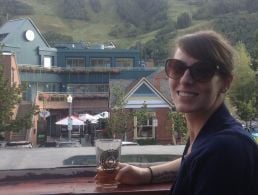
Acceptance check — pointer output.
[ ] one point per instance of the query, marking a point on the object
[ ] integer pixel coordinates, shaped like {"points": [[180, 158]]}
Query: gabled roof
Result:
{"points": [[7, 30], [154, 85], [121, 84], [159, 78], [145, 92]]}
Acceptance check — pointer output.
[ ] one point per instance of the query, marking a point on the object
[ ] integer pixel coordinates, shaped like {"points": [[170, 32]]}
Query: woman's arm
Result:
{"points": [[129, 174]]}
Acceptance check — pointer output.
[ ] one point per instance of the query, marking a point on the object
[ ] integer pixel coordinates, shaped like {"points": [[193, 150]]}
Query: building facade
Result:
{"points": [[87, 73]]}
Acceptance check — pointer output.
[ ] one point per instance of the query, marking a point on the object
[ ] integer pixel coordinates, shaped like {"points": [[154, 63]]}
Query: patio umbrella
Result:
{"points": [[75, 121], [102, 115], [87, 117]]}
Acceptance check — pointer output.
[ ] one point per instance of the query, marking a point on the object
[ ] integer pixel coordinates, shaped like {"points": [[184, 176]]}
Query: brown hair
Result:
{"points": [[209, 46]]}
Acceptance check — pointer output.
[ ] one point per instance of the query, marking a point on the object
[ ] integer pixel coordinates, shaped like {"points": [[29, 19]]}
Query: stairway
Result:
{"points": [[23, 108]]}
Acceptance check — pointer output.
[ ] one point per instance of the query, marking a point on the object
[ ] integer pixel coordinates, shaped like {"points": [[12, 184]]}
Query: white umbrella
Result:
{"points": [[87, 117], [102, 115], [75, 121]]}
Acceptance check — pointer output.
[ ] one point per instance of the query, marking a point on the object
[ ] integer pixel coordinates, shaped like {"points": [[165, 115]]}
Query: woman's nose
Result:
{"points": [[187, 78]]}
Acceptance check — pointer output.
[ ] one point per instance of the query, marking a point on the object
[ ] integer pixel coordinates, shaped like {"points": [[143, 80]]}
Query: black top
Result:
{"points": [[223, 160]]}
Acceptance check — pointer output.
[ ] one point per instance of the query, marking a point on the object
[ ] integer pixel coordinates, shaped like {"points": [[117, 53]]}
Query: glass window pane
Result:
{"points": [[124, 62], [100, 62]]}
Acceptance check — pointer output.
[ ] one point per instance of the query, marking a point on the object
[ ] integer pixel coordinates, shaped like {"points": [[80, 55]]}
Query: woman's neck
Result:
{"points": [[195, 122]]}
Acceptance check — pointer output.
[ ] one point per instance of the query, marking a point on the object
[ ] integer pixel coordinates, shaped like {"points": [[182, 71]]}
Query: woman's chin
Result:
{"points": [[184, 109]]}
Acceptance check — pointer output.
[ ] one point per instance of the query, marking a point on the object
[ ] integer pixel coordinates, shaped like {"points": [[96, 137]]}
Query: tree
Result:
{"points": [[183, 21], [120, 119], [142, 115], [75, 9], [151, 14], [95, 5], [243, 92], [238, 27], [254, 55], [10, 97], [178, 125]]}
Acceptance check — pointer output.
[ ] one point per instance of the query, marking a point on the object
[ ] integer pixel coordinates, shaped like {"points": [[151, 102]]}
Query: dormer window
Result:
{"points": [[48, 61], [2, 36]]}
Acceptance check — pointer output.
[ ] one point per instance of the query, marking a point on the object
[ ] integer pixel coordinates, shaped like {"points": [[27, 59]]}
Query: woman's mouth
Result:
{"points": [[186, 94]]}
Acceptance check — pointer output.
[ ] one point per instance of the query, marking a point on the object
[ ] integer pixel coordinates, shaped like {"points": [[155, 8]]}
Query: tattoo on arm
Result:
{"points": [[166, 176]]}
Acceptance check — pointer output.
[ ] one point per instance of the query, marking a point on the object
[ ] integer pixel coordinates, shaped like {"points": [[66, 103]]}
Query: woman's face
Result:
{"points": [[190, 96]]}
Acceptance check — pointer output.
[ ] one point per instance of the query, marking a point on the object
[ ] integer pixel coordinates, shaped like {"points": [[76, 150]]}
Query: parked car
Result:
{"points": [[18, 144], [2, 144], [48, 144], [254, 132], [68, 144], [125, 143]]}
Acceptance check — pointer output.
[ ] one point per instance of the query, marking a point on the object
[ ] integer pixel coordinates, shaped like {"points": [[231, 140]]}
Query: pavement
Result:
{"points": [[33, 158]]}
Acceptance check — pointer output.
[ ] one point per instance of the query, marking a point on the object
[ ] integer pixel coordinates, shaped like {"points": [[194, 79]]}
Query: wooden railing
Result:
{"points": [[80, 185], [61, 182]]}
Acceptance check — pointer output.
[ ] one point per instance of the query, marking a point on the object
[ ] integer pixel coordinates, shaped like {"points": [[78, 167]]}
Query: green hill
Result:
{"points": [[149, 25], [98, 26]]}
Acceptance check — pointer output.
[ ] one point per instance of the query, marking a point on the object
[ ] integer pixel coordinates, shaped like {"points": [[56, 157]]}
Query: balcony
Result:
{"points": [[58, 100], [95, 69]]}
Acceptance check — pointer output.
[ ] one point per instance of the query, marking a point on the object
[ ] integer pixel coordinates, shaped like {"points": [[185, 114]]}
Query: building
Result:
{"points": [[86, 72]]}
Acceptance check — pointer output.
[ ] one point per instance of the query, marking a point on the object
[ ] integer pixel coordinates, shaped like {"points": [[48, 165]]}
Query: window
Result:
{"points": [[47, 61], [100, 62], [75, 62], [84, 88], [49, 87], [124, 62], [146, 129], [2, 36]]}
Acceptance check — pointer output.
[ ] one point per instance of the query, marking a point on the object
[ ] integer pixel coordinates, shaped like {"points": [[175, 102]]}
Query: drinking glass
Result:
{"points": [[108, 154]]}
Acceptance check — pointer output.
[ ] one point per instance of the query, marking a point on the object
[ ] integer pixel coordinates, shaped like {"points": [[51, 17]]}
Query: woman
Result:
{"points": [[220, 158]]}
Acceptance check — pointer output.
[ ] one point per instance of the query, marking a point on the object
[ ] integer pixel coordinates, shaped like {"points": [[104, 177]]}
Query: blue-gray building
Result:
{"points": [[73, 67], [78, 69]]}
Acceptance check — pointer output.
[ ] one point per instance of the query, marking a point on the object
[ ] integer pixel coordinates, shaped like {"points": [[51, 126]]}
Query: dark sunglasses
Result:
{"points": [[199, 71]]}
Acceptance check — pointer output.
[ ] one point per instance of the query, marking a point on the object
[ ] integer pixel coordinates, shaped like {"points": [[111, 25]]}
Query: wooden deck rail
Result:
{"points": [[77, 185]]}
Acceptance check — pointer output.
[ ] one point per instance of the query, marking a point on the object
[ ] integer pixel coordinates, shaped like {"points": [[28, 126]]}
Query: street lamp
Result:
{"points": [[70, 121]]}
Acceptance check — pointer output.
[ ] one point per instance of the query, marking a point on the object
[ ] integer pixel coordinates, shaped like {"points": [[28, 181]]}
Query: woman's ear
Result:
{"points": [[224, 90], [227, 82]]}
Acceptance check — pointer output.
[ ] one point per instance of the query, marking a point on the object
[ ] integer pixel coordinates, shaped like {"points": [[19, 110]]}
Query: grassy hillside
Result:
{"points": [[139, 21], [100, 24]]}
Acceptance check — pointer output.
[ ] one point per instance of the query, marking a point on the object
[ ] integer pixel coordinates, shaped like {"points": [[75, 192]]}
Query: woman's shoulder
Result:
{"points": [[229, 140], [236, 136], [229, 143]]}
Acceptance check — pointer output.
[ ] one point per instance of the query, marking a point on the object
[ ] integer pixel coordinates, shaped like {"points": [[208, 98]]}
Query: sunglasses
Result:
{"points": [[199, 71]]}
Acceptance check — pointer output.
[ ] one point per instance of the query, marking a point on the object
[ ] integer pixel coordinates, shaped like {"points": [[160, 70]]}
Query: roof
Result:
{"points": [[7, 30], [153, 88], [145, 92], [159, 78], [121, 84]]}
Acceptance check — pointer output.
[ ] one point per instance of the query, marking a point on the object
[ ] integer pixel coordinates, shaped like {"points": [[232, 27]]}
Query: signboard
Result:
{"points": [[44, 114], [70, 124]]}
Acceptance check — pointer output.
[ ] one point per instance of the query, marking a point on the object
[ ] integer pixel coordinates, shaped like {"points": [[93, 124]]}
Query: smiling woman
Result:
{"points": [[200, 73]]}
